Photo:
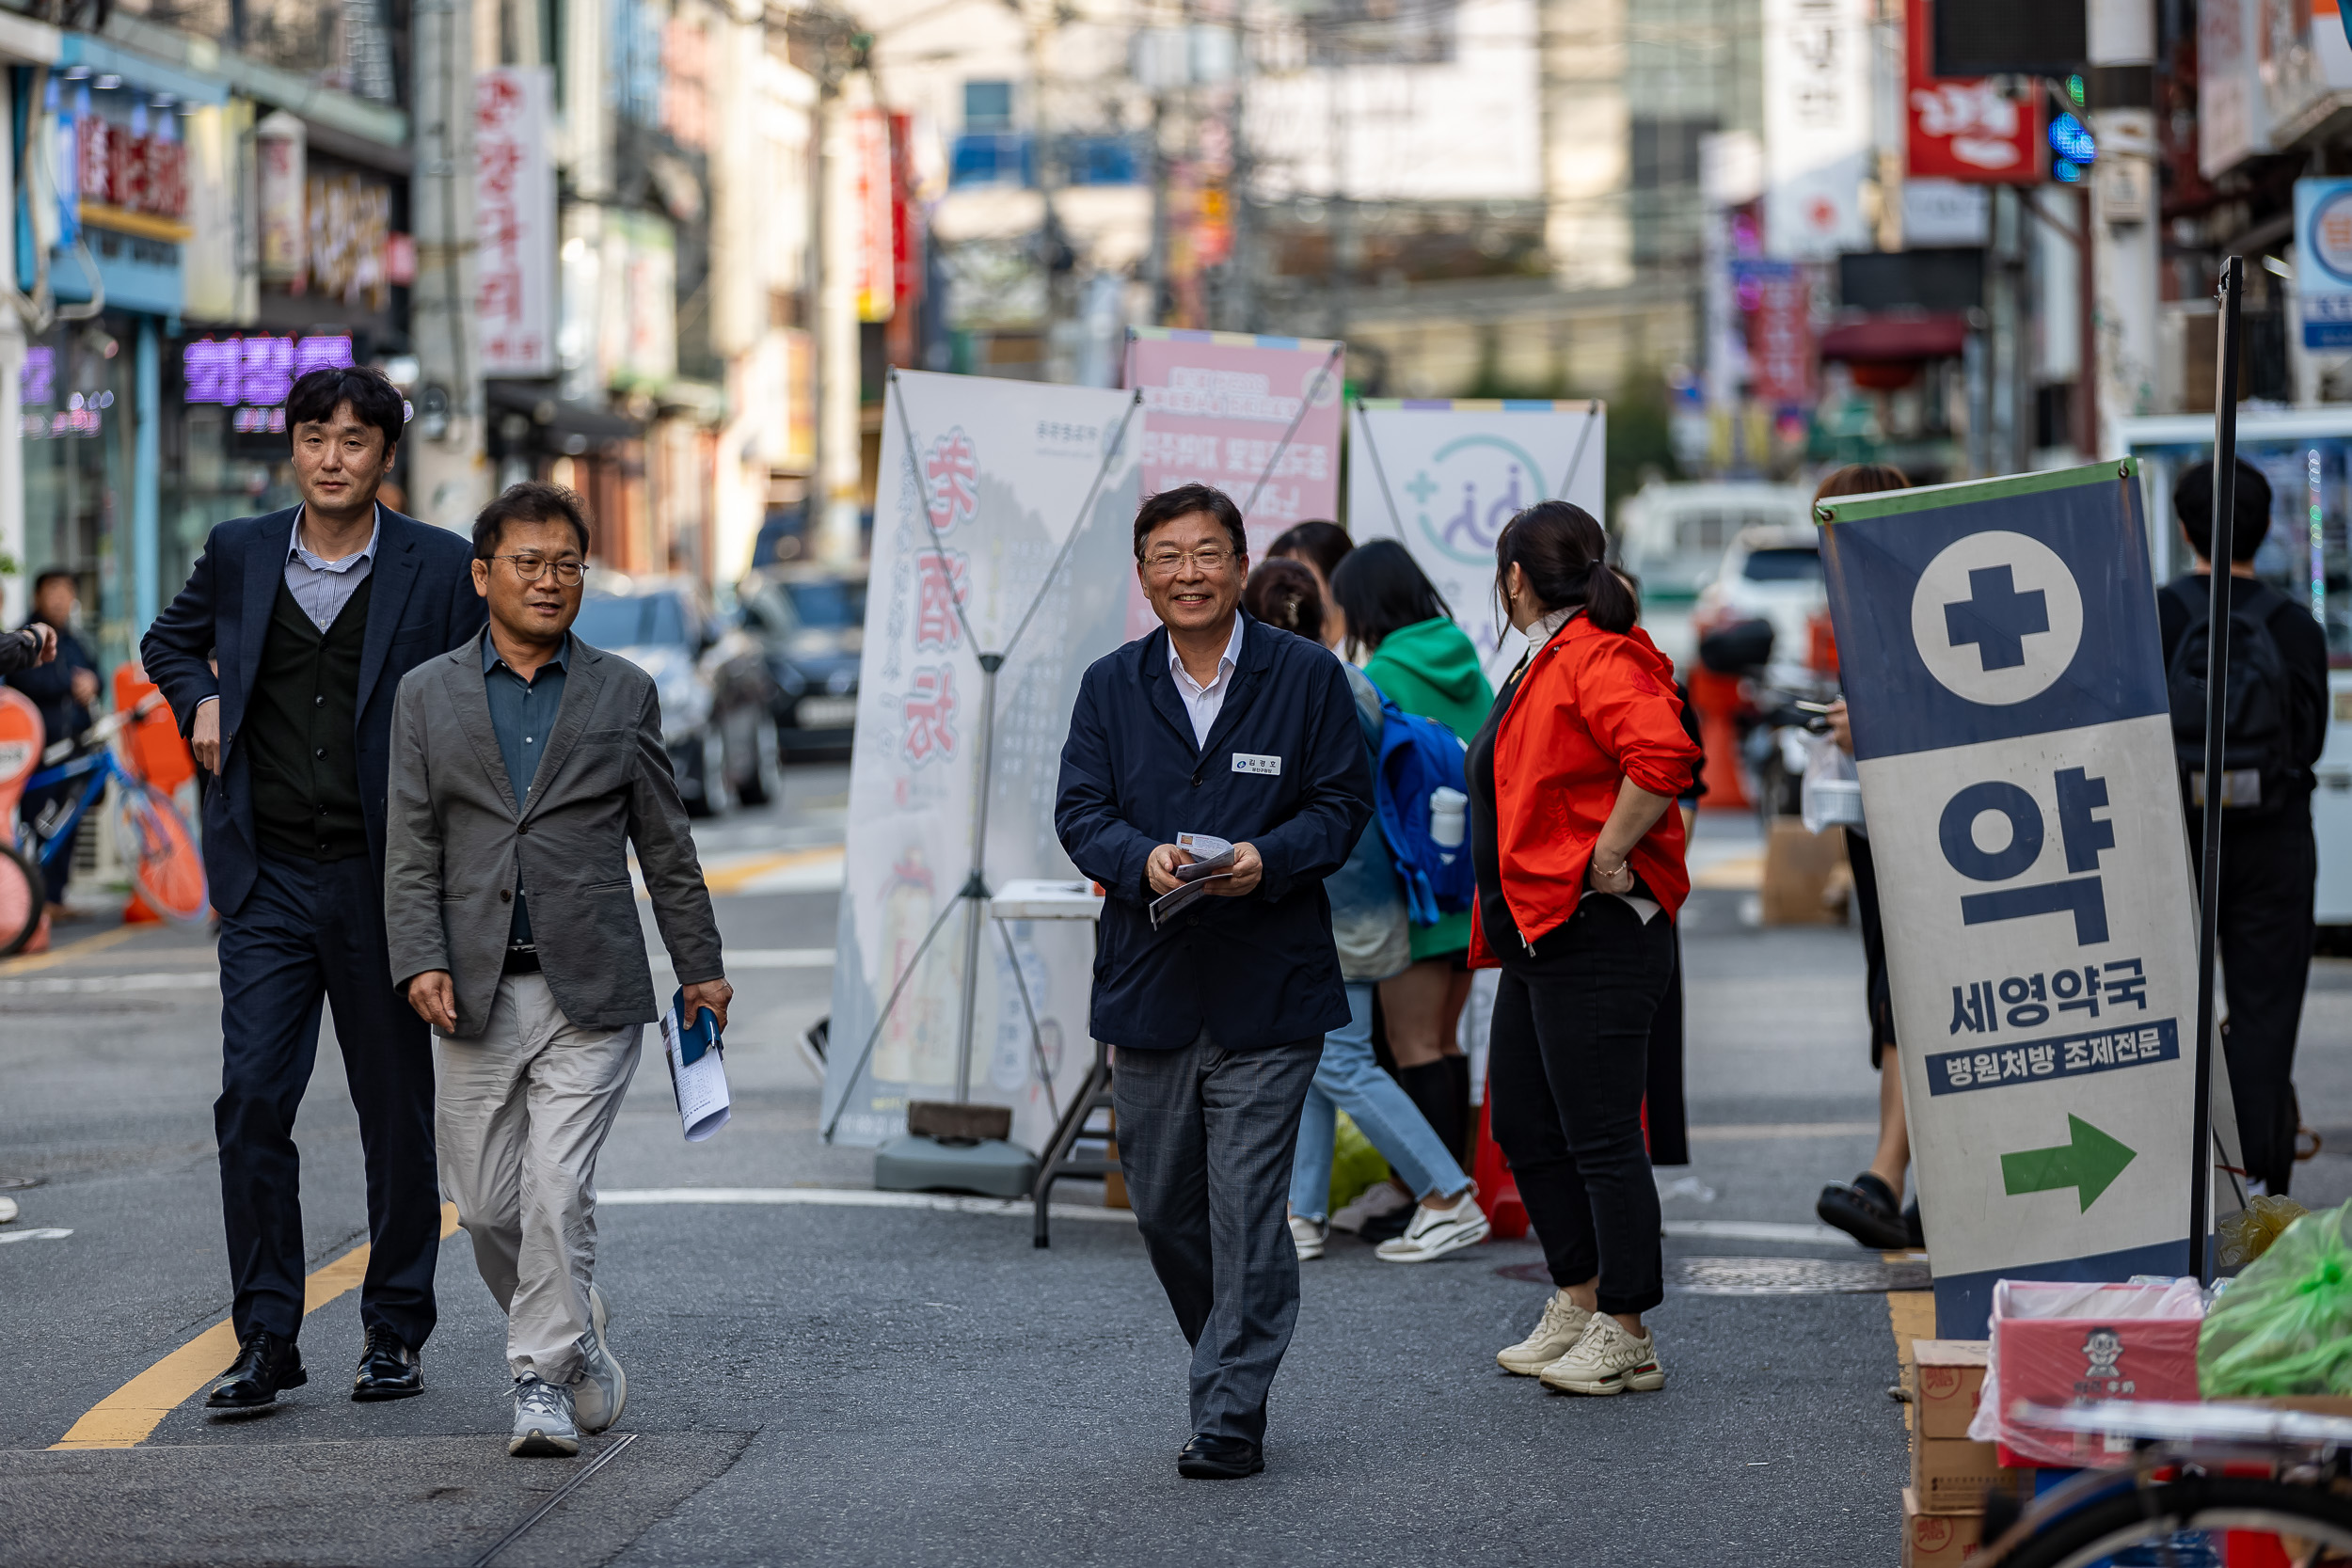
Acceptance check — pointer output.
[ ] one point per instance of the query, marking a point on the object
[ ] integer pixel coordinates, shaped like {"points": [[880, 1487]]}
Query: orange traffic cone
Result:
{"points": [[1498, 1192]]}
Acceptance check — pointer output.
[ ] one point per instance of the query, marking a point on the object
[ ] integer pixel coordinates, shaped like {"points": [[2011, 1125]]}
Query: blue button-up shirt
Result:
{"points": [[323, 587], [522, 712]]}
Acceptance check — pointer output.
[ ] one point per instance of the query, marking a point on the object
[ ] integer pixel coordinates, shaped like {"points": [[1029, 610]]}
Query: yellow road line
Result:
{"points": [[98, 944], [734, 878], [129, 1414]]}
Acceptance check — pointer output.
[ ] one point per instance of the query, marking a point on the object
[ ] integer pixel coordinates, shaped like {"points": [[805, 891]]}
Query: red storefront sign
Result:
{"points": [[1962, 128], [1777, 300]]}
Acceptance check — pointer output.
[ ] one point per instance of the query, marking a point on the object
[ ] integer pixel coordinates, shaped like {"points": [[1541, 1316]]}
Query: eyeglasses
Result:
{"points": [[1211, 559], [531, 568]]}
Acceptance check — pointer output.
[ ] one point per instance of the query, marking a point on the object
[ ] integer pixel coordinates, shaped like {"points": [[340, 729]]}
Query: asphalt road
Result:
{"points": [[831, 1380]]}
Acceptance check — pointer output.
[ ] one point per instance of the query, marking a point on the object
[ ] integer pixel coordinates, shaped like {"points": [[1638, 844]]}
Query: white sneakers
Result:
{"points": [[1379, 1199], [601, 1389], [1556, 1334], [544, 1427], [1434, 1232], [1606, 1360], [1308, 1236]]}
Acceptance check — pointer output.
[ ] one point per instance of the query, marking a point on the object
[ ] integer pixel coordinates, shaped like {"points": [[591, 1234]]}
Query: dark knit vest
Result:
{"points": [[301, 732]]}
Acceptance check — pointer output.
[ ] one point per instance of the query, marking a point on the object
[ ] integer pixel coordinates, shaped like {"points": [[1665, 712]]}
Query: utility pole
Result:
{"points": [[1241, 291], [449, 469], [2122, 93], [839, 371]]}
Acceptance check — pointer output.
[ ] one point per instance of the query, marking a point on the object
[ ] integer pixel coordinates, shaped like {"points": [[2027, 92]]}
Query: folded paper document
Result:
{"points": [[1212, 861], [698, 1073]]}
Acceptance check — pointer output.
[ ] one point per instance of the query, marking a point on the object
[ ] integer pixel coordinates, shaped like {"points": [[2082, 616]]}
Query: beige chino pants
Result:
{"points": [[521, 1112]]}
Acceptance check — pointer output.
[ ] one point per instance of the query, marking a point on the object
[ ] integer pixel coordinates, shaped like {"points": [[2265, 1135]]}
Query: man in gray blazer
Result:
{"points": [[524, 764]]}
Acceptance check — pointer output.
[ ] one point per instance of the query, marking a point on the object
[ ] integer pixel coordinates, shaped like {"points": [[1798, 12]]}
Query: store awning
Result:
{"points": [[558, 425], [1878, 340]]}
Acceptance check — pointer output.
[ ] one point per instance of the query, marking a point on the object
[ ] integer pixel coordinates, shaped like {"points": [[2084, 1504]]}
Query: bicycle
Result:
{"points": [[166, 865], [2196, 1471]]}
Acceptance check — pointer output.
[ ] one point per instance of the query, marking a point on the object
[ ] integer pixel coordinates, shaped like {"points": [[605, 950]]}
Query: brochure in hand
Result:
{"points": [[1212, 861], [698, 1074]]}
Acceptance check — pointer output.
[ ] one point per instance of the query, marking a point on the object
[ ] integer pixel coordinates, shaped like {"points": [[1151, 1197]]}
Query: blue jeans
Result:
{"points": [[1348, 1079]]}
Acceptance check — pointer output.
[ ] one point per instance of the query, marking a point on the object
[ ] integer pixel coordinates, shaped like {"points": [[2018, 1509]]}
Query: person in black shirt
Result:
{"points": [[2269, 863]]}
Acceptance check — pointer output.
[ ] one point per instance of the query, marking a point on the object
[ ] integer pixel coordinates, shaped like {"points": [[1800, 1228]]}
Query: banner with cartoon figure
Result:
{"points": [[980, 548], [1444, 476]]}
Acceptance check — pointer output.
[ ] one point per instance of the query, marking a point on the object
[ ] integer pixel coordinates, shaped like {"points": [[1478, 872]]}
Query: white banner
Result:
{"points": [[513, 204], [1004, 469], [1816, 127], [1444, 476]]}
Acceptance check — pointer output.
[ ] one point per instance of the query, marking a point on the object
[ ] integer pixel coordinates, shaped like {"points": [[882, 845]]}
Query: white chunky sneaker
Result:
{"points": [[1556, 1334], [1308, 1236], [543, 1425], [1606, 1360], [601, 1389], [1379, 1199], [1434, 1232]]}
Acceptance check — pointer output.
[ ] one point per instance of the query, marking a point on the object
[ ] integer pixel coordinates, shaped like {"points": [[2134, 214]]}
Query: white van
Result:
{"points": [[1674, 538]]}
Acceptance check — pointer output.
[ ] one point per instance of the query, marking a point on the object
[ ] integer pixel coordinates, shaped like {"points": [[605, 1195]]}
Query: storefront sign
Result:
{"points": [[280, 152], [1965, 128], [1816, 127], [2323, 235], [875, 214], [253, 376], [2015, 749], [999, 470], [1444, 476], [513, 222], [350, 224], [1777, 301]]}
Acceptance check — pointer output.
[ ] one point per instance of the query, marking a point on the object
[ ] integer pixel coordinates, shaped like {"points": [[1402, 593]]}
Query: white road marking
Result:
{"points": [[1755, 1230], [858, 1197], [46, 1235], [1740, 1132]]}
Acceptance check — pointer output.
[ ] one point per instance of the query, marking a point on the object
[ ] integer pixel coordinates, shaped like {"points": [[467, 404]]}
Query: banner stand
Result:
{"points": [[974, 894], [2219, 556]]}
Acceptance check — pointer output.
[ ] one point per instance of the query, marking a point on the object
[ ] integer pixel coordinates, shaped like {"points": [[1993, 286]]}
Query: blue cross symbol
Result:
{"points": [[1997, 618], [1422, 488]]}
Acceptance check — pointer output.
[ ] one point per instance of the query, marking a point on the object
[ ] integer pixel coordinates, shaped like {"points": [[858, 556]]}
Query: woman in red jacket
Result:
{"points": [[1578, 852]]}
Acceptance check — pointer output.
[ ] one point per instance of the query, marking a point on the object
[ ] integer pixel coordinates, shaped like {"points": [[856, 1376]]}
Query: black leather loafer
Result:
{"points": [[1865, 1209], [265, 1364], [1207, 1458], [389, 1369]]}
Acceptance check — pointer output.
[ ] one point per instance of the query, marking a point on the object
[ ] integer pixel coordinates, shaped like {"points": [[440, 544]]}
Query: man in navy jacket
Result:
{"points": [[312, 616], [1216, 724]]}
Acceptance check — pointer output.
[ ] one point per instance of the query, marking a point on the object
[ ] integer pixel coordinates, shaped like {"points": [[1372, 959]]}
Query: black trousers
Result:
{"points": [[55, 873], [1877, 991], [1206, 1137], [2269, 873], [1565, 1073], [310, 934]]}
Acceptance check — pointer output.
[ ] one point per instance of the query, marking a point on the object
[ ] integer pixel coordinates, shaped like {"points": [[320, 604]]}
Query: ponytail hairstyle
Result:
{"points": [[1565, 556], [1284, 592]]}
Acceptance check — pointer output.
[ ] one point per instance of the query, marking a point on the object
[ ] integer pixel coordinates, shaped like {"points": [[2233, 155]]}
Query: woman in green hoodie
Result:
{"points": [[1425, 663]]}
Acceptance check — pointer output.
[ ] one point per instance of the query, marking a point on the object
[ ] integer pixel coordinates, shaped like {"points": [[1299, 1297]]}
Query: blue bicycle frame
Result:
{"points": [[102, 768]]}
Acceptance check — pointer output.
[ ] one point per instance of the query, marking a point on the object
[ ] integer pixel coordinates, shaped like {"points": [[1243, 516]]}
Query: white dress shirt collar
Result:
{"points": [[1205, 702]]}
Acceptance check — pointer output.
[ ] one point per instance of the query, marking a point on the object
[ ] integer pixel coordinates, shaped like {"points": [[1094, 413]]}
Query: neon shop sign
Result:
{"points": [[253, 376]]}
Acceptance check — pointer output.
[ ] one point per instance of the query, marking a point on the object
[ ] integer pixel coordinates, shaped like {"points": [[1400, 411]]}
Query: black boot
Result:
{"points": [[1430, 1088], [1465, 1118]]}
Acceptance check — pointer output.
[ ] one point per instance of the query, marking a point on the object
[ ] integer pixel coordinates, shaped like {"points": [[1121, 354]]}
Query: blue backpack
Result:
{"points": [[1419, 756]]}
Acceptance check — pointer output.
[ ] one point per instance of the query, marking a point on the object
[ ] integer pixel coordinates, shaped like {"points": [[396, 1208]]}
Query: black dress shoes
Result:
{"points": [[389, 1369], [1207, 1458], [265, 1364]]}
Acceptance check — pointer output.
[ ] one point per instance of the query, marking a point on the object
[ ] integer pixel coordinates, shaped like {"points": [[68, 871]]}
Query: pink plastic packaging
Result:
{"points": [[2057, 1344]]}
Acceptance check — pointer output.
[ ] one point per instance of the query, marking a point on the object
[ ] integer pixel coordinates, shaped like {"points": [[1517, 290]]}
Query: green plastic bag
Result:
{"points": [[2284, 1326], [1356, 1164]]}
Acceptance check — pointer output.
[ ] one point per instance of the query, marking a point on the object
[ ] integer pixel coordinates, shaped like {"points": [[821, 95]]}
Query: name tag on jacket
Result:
{"points": [[1250, 762]]}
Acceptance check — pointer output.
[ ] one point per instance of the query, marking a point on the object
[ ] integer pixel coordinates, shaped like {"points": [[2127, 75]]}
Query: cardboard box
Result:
{"points": [[1798, 869], [1938, 1540], [1951, 1475], [1951, 1380], [2062, 1343]]}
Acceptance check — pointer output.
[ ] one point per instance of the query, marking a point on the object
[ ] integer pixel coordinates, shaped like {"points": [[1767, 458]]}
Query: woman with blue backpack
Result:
{"points": [[1429, 668], [1368, 926]]}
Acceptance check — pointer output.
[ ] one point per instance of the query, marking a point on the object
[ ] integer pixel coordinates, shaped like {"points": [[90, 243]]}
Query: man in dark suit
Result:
{"points": [[313, 615], [1222, 725]]}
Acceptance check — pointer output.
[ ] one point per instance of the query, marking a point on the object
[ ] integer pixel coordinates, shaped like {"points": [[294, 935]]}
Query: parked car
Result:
{"points": [[810, 620], [711, 676], [1765, 619]]}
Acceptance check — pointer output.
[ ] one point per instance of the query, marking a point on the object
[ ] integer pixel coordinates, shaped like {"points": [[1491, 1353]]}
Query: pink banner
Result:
{"points": [[1215, 408]]}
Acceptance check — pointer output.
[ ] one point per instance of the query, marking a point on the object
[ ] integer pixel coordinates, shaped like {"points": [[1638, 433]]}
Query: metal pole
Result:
{"points": [[2216, 685], [975, 892]]}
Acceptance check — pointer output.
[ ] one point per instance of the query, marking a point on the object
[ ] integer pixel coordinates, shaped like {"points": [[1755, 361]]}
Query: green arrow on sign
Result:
{"points": [[2090, 1163]]}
